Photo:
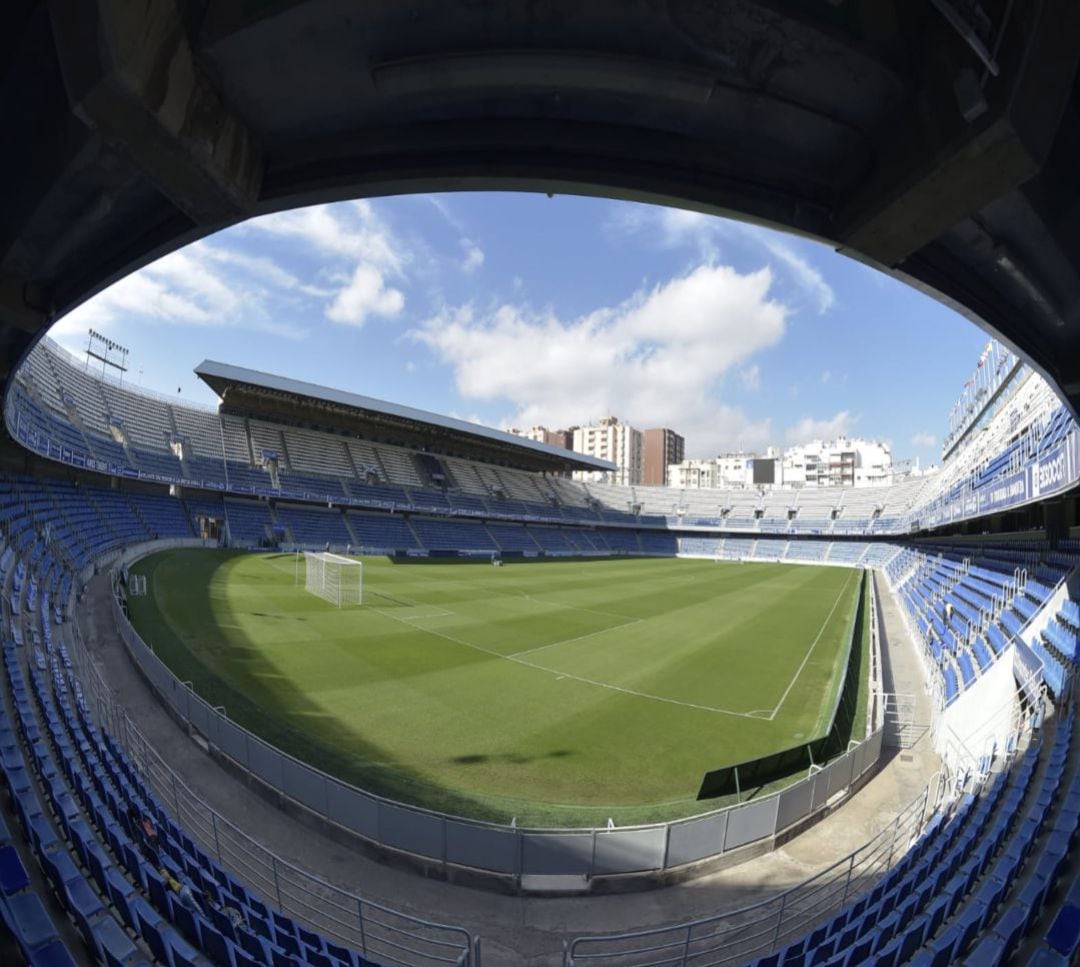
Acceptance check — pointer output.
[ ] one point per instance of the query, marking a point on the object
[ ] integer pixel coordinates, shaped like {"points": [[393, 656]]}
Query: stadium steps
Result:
{"points": [[285, 451], [173, 425], [450, 482], [416, 536], [354, 538], [424, 473], [284, 525], [386, 478], [248, 443], [349, 459], [125, 439], [228, 524], [77, 423], [103, 517]]}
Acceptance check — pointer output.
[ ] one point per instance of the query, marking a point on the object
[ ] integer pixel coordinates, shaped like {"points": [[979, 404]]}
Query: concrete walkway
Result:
{"points": [[525, 930]]}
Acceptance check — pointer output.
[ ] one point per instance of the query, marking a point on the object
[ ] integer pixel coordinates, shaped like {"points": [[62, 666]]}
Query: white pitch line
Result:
{"points": [[567, 641], [558, 674], [810, 650]]}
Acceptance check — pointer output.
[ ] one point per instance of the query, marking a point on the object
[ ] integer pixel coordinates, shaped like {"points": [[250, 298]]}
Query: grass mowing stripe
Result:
{"points": [[810, 650], [513, 657], [586, 726]]}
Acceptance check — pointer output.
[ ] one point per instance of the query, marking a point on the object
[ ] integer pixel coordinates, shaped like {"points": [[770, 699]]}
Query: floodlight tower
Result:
{"points": [[99, 347]]}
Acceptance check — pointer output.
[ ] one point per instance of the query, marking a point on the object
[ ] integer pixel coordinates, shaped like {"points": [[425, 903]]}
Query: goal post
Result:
{"points": [[334, 578]]}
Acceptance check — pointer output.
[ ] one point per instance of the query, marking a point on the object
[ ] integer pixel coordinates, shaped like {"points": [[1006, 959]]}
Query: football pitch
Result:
{"points": [[561, 693]]}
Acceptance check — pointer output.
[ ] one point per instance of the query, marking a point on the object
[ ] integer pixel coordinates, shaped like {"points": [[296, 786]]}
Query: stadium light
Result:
{"points": [[98, 347]]}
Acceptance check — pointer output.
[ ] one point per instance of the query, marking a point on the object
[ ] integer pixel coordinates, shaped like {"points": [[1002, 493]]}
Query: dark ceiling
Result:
{"points": [[936, 139]]}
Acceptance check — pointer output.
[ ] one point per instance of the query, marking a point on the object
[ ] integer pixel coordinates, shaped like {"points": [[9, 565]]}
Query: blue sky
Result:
{"points": [[516, 309]]}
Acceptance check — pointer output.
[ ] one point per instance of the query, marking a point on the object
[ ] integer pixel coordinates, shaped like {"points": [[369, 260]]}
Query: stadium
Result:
{"points": [[310, 677]]}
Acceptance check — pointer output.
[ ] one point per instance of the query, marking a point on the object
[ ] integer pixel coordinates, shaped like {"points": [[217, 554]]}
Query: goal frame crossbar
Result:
{"points": [[334, 577]]}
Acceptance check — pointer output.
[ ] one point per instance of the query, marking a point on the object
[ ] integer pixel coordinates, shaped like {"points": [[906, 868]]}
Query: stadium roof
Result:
{"points": [[937, 141], [245, 390]]}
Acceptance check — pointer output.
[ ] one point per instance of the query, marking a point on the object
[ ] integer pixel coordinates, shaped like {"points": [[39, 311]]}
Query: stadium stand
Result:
{"points": [[61, 411], [976, 882]]}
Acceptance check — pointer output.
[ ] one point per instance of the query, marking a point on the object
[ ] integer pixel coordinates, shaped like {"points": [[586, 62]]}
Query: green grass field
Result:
{"points": [[559, 692]]}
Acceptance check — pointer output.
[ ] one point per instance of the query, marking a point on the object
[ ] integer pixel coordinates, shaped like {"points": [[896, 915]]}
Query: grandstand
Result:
{"points": [[1020, 448], [995, 619]]}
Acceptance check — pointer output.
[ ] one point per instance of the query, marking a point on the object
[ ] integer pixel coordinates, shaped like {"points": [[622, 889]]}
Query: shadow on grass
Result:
{"points": [[512, 758], [179, 621]]}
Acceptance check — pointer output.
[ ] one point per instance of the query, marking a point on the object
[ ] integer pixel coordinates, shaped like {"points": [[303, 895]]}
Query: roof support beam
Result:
{"points": [[921, 190], [131, 75]]}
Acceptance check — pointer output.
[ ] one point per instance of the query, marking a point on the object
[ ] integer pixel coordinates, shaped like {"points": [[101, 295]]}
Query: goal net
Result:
{"points": [[337, 579]]}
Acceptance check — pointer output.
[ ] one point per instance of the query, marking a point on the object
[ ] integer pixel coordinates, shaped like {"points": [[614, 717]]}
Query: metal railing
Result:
{"points": [[738, 936], [378, 932]]}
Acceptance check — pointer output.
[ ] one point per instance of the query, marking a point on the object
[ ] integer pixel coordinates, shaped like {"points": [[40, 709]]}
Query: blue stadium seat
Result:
{"points": [[13, 875], [1064, 933], [29, 921]]}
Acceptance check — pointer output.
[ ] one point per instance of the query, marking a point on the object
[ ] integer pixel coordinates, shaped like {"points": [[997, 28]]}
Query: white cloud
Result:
{"points": [[474, 256], [653, 360], [751, 377], [361, 250], [200, 285], [443, 208], [673, 227], [806, 276], [924, 440], [350, 230], [808, 429], [335, 260], [256, 266], [826, 376], [366, 294]]}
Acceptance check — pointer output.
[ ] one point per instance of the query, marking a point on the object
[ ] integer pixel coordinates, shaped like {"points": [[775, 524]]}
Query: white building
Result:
{"points": [[729, 470], [841, 462], [618, 442], [693, 475]]}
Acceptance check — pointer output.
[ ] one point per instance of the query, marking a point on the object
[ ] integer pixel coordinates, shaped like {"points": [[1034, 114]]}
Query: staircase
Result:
{"points": [[250, 445], [412, 530], [138, 515], [382, 466], [354, 539], [286, 529], [185, 469], [285, 451], [351, 462]]}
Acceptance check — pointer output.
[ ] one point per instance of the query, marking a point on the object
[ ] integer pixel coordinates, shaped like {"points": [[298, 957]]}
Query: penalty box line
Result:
{"points": [[810, 650], [576, 678], [567, 641]]}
